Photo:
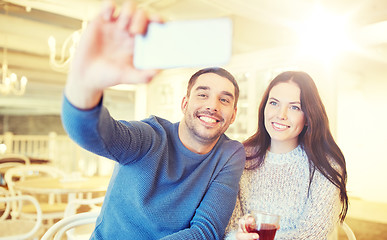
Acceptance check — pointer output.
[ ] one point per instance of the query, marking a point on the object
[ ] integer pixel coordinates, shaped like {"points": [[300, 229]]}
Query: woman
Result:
{"points": [[294, 168]]}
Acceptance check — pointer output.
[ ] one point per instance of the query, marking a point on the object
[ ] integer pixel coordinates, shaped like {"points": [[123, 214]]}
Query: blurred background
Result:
{"points": [[341, 44]]}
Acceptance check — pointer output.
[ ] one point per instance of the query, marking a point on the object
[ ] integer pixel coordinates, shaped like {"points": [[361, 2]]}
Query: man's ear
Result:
{"points": [[233, 116], [184, 103]]}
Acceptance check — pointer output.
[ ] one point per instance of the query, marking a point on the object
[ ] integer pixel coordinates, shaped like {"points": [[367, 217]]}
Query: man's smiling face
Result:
{"points": [[209, 109]]}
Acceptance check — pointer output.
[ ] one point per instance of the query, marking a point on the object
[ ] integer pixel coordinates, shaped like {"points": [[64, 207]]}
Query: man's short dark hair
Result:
{"points": [[219, 71]]}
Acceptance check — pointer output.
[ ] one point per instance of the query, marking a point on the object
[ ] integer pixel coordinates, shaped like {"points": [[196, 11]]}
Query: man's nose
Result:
{"points": [[212, 104]]}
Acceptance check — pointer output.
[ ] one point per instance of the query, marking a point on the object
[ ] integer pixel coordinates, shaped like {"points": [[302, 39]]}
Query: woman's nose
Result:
{"points": [[282, 114]]}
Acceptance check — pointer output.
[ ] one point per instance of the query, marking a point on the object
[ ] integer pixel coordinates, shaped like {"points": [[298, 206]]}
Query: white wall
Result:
{"points": [[362, 136], [165, 93]]}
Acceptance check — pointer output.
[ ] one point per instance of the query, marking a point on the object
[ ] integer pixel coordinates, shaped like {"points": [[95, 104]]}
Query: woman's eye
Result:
{"points": [[295, 108], [273, 103]]}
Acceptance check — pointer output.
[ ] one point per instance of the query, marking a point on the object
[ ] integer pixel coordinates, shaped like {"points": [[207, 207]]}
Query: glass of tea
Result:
{"points": [[265, 224]]}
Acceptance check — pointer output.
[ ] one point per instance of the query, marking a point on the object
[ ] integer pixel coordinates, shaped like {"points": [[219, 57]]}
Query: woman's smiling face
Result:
{"points": [[284, 118]]}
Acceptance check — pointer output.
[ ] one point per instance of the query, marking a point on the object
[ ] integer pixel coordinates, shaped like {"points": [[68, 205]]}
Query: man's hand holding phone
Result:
{"points": [[129, 47], [104, 56]]}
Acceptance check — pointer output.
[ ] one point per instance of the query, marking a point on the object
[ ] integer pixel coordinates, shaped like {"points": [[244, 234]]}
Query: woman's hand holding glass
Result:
{"points": [[258, 225]]}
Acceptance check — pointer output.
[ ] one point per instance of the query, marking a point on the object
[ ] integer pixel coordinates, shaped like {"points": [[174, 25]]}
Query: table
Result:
{"points": [[32, 160], [47, 185], [69, 186], [8, 162]]}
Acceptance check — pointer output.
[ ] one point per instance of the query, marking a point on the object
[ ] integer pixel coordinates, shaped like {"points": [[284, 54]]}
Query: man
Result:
{"points": [[172, 180]]}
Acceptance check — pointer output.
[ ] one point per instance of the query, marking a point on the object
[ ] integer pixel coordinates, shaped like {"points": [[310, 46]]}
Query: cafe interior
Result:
{"points": [[341, 44]]}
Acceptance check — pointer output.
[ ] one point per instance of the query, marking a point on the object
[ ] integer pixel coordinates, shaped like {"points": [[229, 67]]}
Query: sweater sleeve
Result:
{"points": [[320, 215], [96, 131], [213, 213], [232, 226]]}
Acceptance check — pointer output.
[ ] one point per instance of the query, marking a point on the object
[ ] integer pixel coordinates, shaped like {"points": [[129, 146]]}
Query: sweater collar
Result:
{"points": [[282, 158]]}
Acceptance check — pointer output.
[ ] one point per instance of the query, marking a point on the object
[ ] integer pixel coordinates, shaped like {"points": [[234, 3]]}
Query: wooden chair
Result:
{"points": [[57, 230], [51, 204], [347, 230], [12, 228], [4, 167], [85, 205], [11, 160], [14, 157]]}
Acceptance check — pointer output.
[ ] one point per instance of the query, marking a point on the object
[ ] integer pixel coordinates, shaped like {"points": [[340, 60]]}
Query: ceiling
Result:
{"points": [[25, 26]]}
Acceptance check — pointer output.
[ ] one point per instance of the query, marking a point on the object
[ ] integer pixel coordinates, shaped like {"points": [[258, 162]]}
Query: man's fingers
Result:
{"points": [[139, 22], [107, 11], [126, 15], [154, 17], [131, 76]]}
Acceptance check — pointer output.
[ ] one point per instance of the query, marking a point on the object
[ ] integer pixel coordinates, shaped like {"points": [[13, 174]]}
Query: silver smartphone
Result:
{"points": [[188, 43]]}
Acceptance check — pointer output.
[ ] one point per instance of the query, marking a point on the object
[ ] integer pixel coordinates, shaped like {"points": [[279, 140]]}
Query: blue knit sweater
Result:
{"points": [[159, 189]]}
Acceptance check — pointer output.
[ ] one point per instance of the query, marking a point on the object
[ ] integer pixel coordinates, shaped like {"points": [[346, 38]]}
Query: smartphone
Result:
{"points": [[187, 43]]}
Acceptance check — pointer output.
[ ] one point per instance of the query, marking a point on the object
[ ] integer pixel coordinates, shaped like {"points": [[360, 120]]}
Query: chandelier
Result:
{"points": [[9, 82], [61, 64]]}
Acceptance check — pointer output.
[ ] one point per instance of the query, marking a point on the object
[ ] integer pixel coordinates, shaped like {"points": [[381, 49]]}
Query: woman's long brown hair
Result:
{"points": [[316, 138]]}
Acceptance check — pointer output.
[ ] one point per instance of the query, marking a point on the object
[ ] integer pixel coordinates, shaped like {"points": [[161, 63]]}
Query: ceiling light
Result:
{"points": [[323, 35], [10, 84], [61, 64]]}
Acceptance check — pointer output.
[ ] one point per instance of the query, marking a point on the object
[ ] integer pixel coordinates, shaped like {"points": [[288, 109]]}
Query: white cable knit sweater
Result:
{"points": [[280, 186]]}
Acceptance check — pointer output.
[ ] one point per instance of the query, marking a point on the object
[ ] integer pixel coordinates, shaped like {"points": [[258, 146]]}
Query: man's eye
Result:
{"points": [[202, 95], [225, 100]]}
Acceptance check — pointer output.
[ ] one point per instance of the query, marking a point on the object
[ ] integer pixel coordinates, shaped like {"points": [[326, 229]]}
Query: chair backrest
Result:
{"points": [[7, 165], [22, 172], [13, 157], [93, 204], [4, 206], [8, 224], [4, 166], [28, 171], [11, 160], [348, 231], [57, 230], [74, 204]]}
